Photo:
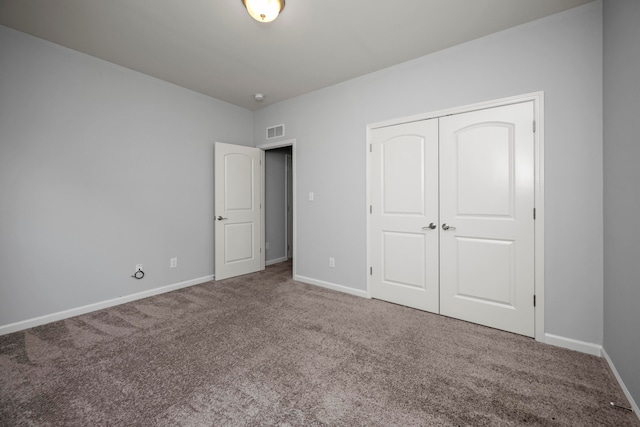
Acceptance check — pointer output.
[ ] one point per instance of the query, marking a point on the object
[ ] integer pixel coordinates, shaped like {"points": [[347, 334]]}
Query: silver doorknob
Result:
{"points": [[447, 227], [219, 218], [431, 226]]}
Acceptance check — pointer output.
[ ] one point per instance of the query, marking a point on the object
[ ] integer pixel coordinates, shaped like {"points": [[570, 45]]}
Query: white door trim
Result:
{"points": [[288, 184], [269, 146], [538, 103]]}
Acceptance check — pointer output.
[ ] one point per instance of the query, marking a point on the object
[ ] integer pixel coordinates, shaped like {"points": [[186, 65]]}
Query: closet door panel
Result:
{"points": [[404, 196], [486, 211]]}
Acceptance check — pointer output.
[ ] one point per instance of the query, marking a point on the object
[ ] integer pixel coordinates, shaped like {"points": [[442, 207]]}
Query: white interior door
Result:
{"points": [[486, 214], [238, 183], [404, 197]]}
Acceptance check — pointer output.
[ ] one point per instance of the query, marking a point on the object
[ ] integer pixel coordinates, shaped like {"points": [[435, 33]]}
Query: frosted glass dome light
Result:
{"points": [[264, 10]]}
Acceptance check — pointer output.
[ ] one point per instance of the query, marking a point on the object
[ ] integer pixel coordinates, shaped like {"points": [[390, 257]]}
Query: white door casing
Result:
{"points": [[238, 216], [289, 206], [487, 200], [404, 200], [293, 227]]}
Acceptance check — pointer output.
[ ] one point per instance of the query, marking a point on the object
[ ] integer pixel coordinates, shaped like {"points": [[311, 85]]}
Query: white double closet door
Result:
{"points": [[452, 216]]}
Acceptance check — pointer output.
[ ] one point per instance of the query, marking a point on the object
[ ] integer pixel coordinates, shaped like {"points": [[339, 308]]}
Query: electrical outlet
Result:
{"points": [[332, 262], [311, 197], [173, 262], [138, 267]]}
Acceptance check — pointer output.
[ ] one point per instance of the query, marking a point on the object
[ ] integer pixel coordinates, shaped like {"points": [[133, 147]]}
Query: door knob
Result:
{"points": [[431, 226], [219, 218], [447, 227]]}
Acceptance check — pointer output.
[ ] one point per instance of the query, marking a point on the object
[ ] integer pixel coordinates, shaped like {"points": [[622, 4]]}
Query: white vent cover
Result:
{"points": [[275, 131]]}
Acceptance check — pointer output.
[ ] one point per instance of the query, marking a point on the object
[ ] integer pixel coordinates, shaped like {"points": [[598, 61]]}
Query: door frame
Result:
{"points": [[288, 185], [538, 113], [270, 146]]}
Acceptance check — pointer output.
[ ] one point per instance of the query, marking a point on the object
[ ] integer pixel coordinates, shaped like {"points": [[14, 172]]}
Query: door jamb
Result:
{"points": [[538, 114], [270, 146], [288, 185]]}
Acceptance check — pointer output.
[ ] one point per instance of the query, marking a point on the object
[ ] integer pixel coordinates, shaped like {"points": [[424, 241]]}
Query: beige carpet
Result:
{"points": [[264, 350]]}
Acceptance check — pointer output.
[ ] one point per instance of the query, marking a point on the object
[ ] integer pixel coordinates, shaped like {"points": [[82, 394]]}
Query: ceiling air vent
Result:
{"points": [[275, 131]]}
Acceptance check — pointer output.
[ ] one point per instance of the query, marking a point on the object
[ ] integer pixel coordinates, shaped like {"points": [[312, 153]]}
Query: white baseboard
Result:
{"points": [[275, 261], [571, 344], [54, 317], [624, 388], [332, 286]]}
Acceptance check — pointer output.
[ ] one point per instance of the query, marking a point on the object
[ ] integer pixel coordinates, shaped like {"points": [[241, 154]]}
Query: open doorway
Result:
{"points": [[279, 204]]}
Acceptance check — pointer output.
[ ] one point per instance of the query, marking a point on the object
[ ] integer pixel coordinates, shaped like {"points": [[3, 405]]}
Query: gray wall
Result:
{"points": [[101, 168], [560, 55], [621, 194]]}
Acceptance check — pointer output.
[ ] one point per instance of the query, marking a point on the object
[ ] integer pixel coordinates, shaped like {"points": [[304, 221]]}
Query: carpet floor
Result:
{"points": [[264, 350]]}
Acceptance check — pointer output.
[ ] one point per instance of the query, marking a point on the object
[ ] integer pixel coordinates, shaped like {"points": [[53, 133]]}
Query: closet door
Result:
{"points": [[404, 196], [486, 214]]}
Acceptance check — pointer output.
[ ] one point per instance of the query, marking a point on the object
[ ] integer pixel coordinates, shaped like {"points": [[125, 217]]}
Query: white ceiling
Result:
{"points": [[214, 47]]}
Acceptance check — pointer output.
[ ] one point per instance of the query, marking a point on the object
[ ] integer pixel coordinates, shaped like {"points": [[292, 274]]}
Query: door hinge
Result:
{"points": [[534, 126], [534, 213], [370, 209], [534, 300], [370, 271], [371, 148]]}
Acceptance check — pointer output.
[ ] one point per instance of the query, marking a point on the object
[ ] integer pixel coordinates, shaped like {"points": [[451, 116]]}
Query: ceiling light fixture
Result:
{"points": [[264, 10]]}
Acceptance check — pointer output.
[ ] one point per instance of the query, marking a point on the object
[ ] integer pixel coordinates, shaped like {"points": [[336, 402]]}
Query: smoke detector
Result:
{"points": [[258, 97]]}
